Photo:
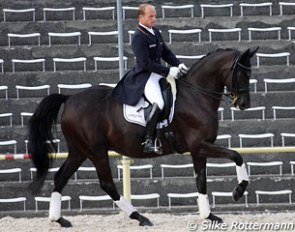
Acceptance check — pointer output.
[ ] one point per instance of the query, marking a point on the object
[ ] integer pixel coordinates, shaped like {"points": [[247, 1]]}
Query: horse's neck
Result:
{"points": [[206, 87], [196, 99]]}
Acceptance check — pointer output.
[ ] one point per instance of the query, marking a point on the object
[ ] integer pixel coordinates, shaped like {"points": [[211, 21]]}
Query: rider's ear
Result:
{"points": [[252, 52]]}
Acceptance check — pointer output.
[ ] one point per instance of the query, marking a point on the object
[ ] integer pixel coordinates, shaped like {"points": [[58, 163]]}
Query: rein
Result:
{"points": [[235, 91]]}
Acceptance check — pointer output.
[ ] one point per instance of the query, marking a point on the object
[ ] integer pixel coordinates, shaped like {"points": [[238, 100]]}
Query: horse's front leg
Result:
{"points": [[203, 201], [214, 151]]}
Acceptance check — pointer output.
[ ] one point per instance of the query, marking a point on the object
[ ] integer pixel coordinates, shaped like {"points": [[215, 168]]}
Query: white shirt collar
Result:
{"points": [[149, 29]]}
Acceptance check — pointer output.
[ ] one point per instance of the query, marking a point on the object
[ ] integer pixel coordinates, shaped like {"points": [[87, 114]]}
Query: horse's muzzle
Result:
{"points": [[243, 102]]}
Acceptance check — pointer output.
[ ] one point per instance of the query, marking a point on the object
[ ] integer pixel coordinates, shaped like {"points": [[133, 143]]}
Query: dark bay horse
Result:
{"points": [[93, 123]]}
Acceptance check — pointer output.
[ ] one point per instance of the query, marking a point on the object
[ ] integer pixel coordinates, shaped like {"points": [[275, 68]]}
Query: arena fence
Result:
{"points": [[126, 160]]}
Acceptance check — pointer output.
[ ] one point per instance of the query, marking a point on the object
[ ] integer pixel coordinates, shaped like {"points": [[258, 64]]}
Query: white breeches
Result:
{"points": [[152, 90]]}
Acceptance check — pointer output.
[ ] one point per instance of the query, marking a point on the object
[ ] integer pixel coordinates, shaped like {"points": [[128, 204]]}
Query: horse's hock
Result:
{"points": [[73, 73]]}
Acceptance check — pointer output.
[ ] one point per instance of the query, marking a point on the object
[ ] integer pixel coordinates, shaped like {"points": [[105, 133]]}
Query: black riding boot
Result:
{"points": [[149, 145]]}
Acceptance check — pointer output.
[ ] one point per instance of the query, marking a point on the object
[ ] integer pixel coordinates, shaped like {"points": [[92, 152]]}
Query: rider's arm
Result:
{"points": [[140, 48], [167, 54]]}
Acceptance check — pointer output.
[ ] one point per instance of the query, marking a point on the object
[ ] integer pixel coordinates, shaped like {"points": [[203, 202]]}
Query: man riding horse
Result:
{"points": [[148, 47]]}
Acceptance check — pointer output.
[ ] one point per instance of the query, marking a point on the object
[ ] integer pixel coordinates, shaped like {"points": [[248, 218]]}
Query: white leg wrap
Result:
{"points": [[124, 205], [55, 206], [204, 207], [242, 173]]}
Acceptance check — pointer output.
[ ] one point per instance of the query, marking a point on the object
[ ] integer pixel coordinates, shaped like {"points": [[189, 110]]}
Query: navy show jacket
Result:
{"points": [[148, 49]]}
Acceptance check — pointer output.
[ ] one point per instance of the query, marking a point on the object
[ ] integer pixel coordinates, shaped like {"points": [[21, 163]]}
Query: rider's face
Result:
{"points": [[149, 18]]}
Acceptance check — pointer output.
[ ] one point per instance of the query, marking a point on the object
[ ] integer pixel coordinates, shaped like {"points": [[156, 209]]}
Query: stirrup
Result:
{"points": [[154, 146]]}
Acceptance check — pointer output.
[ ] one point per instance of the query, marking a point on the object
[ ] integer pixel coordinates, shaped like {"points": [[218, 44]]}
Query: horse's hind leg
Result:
{"points": [[211, 150], [69, 167], [101, 162]]}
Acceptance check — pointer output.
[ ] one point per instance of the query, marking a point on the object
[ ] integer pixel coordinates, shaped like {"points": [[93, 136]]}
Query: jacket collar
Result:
{"points": [[147, 33]]}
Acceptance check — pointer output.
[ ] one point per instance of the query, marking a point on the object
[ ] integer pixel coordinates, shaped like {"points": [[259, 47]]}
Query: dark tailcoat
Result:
{"points": [[148, 50]]}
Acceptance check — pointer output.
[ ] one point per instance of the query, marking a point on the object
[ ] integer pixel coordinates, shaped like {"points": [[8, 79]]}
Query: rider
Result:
{"points": [[148, 47]]}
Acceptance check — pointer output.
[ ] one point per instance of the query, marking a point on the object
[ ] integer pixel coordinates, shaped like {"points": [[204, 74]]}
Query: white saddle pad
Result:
{"points": [[135, 114]]}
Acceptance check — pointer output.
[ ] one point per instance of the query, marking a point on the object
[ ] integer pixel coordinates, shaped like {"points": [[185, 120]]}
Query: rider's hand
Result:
{"points": [[174, 72], [183, 69]]}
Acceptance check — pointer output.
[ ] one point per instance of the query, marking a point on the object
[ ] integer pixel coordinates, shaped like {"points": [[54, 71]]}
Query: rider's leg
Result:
{"points": [[153, 93]]}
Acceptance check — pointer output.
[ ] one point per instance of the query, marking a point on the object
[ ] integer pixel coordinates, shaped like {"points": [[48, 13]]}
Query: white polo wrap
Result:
{"points": [[55, 206], [124, 205], [242, 173], [204, 207]]}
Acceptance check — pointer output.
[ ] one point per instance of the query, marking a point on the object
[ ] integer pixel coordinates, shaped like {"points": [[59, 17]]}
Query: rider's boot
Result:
{"points": [[149, 145]]}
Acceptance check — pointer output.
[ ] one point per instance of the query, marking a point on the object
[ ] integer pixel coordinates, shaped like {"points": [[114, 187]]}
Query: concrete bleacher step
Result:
{"points": [[53, 79]]}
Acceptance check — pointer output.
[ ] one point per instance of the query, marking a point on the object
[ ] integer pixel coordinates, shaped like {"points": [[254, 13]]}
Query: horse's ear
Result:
{"points": [[252, 52]]}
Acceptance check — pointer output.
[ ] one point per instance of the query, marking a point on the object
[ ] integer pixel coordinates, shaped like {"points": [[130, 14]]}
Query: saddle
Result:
{"points": [[138, 114]]}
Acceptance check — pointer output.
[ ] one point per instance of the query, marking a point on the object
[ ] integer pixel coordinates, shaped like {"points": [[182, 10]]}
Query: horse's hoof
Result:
{"points": [[146, 222], [64, 223], [239, 190], [214, 218], [143, 221]]}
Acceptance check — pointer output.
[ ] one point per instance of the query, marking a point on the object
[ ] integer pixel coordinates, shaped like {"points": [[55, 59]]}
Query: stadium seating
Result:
{"points": [[68, 34], [7, 115], [14, 200], [229, 30], [31, 61], [19, 11], [30, 35], [96, 33], [184, 32], [179, 7], [217, 6], [265, 164], [280, 192], [94, 198], [98, 9], [264, 31], [69, 60], [63, 11], [77, 86], [287, 4], [180, 195], [227, 194], [136, 167], [256, 137], [255, 5], [11, 171], [274, 55]]}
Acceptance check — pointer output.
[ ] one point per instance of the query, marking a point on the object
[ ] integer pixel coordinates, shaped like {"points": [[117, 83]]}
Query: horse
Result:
{"points": [[92, 123]]}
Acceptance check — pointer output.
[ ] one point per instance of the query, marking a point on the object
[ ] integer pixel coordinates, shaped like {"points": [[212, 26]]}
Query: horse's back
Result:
{"points": [[94, 103]]}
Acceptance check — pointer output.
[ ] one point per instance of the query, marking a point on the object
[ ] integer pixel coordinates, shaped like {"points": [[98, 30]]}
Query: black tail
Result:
{"points": [[40, 131]]}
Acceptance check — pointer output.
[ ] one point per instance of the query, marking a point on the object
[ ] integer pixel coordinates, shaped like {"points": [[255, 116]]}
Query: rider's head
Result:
{"points": [[147, 15]]}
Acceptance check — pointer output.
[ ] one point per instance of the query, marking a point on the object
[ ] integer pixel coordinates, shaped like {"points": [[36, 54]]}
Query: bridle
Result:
{"points": [[235, 91]]}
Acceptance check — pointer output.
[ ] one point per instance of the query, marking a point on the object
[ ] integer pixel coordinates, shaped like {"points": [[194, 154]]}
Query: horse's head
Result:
{"points": [[238, 85]]}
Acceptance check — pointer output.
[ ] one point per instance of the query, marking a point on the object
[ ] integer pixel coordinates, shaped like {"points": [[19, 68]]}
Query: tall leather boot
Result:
{"points": [[149, 145]]}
